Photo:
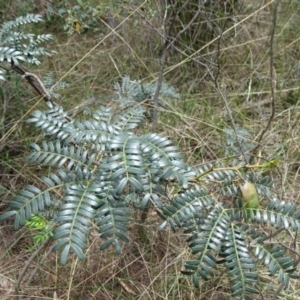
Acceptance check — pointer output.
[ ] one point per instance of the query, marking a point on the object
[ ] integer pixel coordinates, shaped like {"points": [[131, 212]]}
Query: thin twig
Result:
{"points": [[174, 46], [276, 294], [38, 266], [217, 86], [168, 45], [160, 73], [272, 79], [158, 87], [234, 127], [29, 261]]}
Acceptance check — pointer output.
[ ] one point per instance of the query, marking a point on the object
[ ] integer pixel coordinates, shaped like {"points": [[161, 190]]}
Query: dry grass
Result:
{"points": [[150, 265]]}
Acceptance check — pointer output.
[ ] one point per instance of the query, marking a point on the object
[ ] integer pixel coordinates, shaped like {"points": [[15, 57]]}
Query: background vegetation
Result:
{"points": [[235, 65]]}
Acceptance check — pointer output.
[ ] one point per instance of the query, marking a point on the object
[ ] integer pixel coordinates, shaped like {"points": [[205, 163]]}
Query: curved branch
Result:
{"points": [[272, 80], [32, 257]]}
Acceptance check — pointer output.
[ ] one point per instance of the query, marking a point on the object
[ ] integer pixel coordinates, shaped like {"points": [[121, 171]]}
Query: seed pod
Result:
{"points": [[250, 197]]}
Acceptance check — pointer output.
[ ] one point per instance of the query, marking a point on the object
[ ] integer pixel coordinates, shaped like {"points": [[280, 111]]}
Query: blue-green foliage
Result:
{"points": [[17, 45], [136, 91], [102, 170], [98, 169]]}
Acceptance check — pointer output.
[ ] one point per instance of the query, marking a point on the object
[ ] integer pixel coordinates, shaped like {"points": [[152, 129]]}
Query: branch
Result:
{"points": [[158, 87], [176, 48], [217, 86], [31, 258], [29, 79], [272, 79], [160, 73], [168, 45], [44, 90]]}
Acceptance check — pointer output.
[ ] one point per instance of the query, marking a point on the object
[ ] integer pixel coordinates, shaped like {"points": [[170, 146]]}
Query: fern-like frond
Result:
{"points": [[278, 214], [8, 26], [41, 38], [74, 216], [207, 240], [111, 219], [68, 157], [161, 151], [28, 201], [128, 89], [240, 264], [10, 55], [216, 172], [129, 118], [133, 90], [94, 131], [52, 87], [187, 210], [29, 18], [103, 114], [53, 122], [277, 262], [58, 180], [163, 159], [263, 186], [140, 164], [126, 162], [18, 45]]}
